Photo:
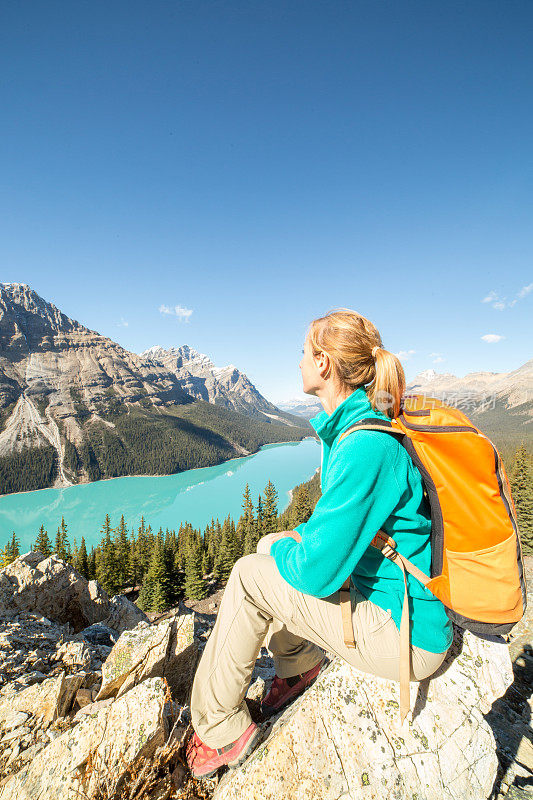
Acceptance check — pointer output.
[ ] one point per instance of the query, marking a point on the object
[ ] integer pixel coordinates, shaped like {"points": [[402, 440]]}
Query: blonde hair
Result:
{"points": [[358, 357]]}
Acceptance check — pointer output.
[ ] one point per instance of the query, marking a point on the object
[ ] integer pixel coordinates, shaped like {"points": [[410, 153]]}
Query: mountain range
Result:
{"points": [[498, 403], [76, 406]]}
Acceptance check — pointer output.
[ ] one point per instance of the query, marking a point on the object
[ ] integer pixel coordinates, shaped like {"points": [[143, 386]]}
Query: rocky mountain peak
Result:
{"points": [[26, 316]]}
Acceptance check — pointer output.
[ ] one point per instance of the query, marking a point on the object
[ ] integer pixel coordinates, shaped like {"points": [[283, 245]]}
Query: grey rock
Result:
{"points": [[343, 738]]}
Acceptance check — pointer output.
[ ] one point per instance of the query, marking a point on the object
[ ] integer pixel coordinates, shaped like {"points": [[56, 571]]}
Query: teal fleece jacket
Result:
{"points": [[368, 482]]}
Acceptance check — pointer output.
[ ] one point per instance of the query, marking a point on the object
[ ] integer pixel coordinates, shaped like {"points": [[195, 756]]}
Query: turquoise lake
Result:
{"points": [[193, 496]]}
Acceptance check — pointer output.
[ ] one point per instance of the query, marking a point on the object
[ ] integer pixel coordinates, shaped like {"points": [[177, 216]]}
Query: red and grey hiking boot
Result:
{"points": [[204, 761], [284, 689]]}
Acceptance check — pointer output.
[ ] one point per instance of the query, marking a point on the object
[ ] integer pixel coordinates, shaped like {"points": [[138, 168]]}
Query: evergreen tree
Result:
{"points": [[270, 508], [92, 564], [11, 550], [521, 481], [302, 507], [228, 553], [82, 561], [43, 543], [122, 552], [247, 529], [195, 586], [259, 522], [106, 565], [153, 595], [62, 544], [134, 565], [254, 531]]}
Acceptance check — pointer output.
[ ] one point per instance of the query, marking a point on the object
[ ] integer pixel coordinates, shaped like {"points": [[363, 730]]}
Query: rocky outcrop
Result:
{"points": [[343, 737], [167, 650], [62, 736], [80, 718], [54, 589], [100, 752]]}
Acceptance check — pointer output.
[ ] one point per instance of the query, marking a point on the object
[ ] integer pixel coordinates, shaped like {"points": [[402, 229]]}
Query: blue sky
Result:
{"points": [[254, 165]]}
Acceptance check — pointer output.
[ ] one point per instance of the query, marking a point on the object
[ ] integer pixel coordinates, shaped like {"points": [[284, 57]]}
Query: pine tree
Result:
{"points": [[153, 595], [106, 566], [62, 545], [302, 508], [43, 543], [228, 553], [195, 586], [254, 531], [270, 508], [246, 526], [11, 550], [82, 562], [92, 564], [134, 567], [521, 480], [122, 552], [259, 521]]}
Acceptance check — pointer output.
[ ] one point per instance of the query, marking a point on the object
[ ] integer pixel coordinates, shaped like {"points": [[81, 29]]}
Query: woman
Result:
{"points": [[286, 595]]}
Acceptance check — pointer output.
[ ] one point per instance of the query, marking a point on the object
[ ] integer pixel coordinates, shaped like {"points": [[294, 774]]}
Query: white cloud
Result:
{"points": [[525, 290], [404, 355], [438, 360], [492, 337], [499, 303], [182, 313], [122, 323]]}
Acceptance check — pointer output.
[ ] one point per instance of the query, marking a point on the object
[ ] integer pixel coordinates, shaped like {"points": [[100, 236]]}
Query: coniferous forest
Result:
{"points": [[159, 568], [139, 442]]}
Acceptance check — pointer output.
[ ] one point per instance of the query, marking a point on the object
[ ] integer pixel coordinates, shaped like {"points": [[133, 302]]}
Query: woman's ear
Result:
{"points": [[322, 361]]}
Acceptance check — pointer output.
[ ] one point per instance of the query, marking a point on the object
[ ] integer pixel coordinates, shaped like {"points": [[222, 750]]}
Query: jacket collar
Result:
{"points": [[352, 409]]}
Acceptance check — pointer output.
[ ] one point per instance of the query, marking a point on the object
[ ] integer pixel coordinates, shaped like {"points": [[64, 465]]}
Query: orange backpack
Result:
{"points": [[476, 556]]}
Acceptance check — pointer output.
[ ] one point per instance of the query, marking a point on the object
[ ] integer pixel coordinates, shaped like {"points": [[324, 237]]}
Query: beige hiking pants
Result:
{"points": [[260, 608]]}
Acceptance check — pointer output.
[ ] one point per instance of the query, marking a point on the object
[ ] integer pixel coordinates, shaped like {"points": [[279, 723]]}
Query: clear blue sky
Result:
{"points": [[254, 164]]}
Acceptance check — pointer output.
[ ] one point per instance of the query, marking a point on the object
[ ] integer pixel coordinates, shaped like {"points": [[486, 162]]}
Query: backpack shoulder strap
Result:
{"points": [[372, 424]]}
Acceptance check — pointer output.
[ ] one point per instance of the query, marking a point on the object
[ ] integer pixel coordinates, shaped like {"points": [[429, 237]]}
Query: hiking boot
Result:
{"points": [[284, 689], [204, 761]]}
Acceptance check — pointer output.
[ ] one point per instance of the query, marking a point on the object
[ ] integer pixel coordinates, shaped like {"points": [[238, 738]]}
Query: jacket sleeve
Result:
{"points": [[361, 493]]}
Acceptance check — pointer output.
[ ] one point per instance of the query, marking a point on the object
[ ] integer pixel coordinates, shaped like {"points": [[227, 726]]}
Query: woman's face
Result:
{"points": [[310, 369]]}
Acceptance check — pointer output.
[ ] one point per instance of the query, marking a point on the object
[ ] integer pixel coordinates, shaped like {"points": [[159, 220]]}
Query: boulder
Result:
{"points": [[100, 634], [343, 737], [122, 614], [100, 752], [48, 700], [166, 649], [53, 588], [74, 654]]}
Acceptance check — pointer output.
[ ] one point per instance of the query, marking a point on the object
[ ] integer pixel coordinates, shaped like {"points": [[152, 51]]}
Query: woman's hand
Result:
{"points": [[264, 544]]}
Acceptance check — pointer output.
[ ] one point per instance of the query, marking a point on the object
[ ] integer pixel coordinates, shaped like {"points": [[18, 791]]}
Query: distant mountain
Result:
{"points": [[498, 403], [513, 388], [306, 407], [76, 406], [224, 386]]}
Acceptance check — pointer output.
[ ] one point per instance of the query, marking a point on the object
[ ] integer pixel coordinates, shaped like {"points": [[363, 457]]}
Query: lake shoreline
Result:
{"points": [[164, 475], [189, 497]]}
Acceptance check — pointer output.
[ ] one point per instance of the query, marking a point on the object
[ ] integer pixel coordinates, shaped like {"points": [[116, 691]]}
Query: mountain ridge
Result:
{"points": [[69, 393]]}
